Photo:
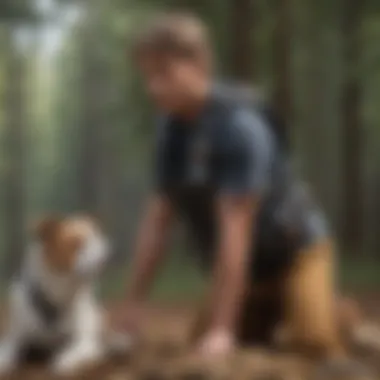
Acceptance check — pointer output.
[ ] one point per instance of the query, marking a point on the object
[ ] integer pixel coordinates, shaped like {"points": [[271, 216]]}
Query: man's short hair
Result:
{"points": [[175, 34]]}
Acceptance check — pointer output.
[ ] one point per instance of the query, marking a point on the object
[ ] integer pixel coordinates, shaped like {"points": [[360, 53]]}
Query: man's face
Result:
{"points": [[171, 82]]}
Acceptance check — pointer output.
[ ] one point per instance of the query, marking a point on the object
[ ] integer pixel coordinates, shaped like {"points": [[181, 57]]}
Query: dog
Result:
{"points": [[52, 303]]}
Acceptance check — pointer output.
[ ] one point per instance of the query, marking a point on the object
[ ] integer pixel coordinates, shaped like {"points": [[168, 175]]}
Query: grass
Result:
{"points": [[360, 275], [181, 280]]}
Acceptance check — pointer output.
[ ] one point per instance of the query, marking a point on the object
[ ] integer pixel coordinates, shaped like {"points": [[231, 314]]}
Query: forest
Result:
{"points": [[76, 129]]}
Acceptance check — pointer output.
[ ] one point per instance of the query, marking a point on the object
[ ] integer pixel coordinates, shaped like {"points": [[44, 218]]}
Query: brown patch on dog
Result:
{"points": [[46, 228], [62, 238]]}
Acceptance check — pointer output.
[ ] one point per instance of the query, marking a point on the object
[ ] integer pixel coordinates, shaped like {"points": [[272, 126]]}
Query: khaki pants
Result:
{"points": [[302, 299]]}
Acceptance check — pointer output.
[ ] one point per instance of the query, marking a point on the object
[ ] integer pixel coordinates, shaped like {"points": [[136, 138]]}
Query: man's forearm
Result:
{"points": [[236, 217], [150, 248], [229, 283]]}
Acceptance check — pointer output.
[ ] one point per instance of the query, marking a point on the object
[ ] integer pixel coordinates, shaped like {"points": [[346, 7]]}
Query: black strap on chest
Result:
{"points": [[48, 310]]}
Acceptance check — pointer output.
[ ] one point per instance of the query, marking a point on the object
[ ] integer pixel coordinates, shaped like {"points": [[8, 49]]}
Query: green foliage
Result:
{"points": [[91, 76], [16, 11]]}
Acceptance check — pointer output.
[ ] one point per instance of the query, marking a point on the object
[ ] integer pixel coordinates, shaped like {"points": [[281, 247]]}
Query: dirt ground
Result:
{"points": [[164, 356]]}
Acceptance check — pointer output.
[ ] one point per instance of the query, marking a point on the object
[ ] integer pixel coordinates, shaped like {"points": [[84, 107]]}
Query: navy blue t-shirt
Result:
{"points": [[232, 149]]}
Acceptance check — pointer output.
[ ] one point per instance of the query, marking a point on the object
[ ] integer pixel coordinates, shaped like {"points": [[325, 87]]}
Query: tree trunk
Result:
{"points": [[242, 44], [283, 95], [91, 144], [352, 186], [100, 172], [15, 111], [89, 148]]}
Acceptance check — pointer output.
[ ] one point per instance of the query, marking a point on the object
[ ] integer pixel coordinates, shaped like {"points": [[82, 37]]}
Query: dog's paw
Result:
{"points": [[76, 359], [66, 365]]}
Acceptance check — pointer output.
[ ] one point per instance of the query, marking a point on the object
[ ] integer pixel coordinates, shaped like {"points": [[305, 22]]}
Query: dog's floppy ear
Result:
{"points": [[45, 229]]}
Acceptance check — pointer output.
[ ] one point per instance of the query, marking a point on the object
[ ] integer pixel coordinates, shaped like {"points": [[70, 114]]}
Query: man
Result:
{"points": [[222, 167]]}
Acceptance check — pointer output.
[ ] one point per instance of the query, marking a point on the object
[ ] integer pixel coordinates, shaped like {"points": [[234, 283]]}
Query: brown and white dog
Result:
{"points": [[52, 304]]}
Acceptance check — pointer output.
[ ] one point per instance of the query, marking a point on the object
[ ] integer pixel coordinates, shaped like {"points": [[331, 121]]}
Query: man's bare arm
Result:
{"points": [[236, 215], [245, 175], [150, 248]]}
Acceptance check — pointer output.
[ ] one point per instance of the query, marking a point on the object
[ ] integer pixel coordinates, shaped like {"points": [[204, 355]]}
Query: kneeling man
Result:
{"points": [[223, 168]]}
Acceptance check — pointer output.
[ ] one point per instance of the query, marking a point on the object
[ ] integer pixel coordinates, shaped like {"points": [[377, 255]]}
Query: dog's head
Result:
{"points": [[73, 244]]}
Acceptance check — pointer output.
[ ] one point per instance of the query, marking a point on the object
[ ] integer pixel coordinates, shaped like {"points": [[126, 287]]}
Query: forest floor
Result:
{"points": [[164, 357]]}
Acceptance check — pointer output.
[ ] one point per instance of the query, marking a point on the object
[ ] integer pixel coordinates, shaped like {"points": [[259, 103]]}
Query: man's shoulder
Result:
{"points": [[232, 95], [245, 128], [240, 118], [238, 106]]}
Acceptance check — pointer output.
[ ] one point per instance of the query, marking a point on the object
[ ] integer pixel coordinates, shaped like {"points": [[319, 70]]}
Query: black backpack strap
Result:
{"points": [[48, 311]]}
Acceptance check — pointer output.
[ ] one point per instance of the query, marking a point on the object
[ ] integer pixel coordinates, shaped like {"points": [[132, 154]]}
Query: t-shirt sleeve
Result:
{"points": [[247, 155]]}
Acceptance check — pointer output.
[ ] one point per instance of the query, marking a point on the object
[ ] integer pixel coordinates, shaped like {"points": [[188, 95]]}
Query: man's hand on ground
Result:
{"points": [[128, 319], [216, 343]]}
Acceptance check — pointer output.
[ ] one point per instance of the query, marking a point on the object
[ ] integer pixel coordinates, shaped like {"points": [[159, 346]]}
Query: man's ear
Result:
{"points": [[46, 228]]}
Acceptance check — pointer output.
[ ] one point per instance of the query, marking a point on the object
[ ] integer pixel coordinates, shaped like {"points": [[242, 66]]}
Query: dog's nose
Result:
{"points": [[92, 258], [87, 268]]}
